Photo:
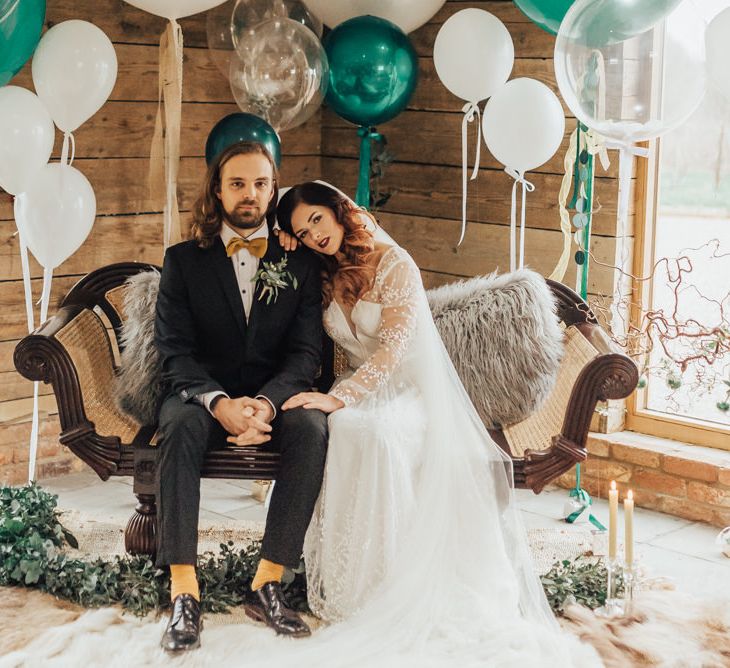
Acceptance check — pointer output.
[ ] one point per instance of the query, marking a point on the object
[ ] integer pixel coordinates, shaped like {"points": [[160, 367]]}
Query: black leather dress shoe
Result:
{"points": [[183, 629], [267, 605]]}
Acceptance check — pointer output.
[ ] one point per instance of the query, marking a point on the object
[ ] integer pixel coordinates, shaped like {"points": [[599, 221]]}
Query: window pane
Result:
{"points": [[691, 292]]}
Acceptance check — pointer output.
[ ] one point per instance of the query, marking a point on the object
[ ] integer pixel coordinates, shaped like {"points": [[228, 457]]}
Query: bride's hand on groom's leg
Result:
{"points": [[324, 402]]}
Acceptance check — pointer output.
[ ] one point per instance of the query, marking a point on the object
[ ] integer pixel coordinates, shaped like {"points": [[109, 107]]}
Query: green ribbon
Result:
{"points": [[587, 183], [366, 134], [584, 498]]}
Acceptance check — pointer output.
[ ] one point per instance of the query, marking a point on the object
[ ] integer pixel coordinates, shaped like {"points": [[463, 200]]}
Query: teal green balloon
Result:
{"points": [[240, 127], [546, 13], [373, 70], [21, 23]]}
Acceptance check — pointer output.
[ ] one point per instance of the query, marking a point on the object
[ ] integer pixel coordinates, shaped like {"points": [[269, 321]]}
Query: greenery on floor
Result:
{"points": [[32, 554], [581, 581]]}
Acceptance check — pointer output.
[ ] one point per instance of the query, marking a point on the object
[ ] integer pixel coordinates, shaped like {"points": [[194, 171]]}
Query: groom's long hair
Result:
{"points": [[356, 272], [208, 210]]}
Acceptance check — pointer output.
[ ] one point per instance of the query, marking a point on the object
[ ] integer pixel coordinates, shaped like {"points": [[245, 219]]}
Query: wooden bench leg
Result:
{"points": [[140, 536]]}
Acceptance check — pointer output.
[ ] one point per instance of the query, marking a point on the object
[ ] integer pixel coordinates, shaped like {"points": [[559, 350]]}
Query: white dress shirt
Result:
{"points": [[245, 267]]}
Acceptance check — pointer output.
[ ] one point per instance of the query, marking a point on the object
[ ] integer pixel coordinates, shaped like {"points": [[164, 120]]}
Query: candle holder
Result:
{"points": [[614, 605], [631, 582]]}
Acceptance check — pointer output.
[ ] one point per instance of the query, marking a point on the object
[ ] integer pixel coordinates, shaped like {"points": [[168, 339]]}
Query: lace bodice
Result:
{"points": [[384, 323]]}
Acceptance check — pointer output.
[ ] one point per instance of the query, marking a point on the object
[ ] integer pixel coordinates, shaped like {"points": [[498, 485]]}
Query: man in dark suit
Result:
{"points": [[236, 344]]}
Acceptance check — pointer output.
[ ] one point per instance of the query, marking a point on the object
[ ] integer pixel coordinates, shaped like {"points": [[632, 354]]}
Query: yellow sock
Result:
{"points": [[184, 581], [267, 571]]}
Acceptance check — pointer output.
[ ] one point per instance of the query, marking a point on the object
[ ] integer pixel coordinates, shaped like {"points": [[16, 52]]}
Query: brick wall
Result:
{"points": [[691, 482], [53, 458]]}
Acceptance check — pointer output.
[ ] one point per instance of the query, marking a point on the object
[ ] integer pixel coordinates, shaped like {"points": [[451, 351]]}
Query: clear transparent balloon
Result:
{"points": [[247, 14], [219, 29], [630, 86], [718, 52], [280, 73]]}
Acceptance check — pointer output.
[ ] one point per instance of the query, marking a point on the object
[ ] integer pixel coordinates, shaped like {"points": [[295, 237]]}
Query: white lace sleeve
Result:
{"points": [[397, 288]]}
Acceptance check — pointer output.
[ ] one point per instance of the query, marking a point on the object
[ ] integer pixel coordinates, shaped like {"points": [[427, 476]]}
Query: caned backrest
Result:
{"points": [[536, 431], [87, 343]]}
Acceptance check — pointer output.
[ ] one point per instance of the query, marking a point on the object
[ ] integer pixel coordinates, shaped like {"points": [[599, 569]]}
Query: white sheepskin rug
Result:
{"points": [[666, 629]]}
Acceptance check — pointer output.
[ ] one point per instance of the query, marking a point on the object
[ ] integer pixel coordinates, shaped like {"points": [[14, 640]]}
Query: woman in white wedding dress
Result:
{"points": [[416, 548]]}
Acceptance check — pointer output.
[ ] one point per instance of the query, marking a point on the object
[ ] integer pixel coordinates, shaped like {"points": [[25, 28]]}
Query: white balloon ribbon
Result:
{"points": [[68, 139], [25, 265], [471, 111], [627, 152], [527, 186]]}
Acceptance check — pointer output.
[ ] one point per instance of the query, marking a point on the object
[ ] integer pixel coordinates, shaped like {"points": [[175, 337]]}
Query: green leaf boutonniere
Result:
{"points": [[274, 277]]}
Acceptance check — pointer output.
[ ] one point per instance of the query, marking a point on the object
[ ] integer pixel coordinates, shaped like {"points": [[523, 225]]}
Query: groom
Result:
{"points": [[234, 347]]}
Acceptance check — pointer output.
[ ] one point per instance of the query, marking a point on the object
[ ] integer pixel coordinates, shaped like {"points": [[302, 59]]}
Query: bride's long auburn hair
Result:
{"points": [[355, 273]]}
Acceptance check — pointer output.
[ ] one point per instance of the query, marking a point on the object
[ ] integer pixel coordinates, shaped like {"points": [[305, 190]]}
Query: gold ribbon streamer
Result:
{"points": [[165, 149], [565, 188], [595, 145]]}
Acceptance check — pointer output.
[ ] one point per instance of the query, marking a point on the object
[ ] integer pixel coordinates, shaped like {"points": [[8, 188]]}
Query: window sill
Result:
{"points": [[689, 481]]}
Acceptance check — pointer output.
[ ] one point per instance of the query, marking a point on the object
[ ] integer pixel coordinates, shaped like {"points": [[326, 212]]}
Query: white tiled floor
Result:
{"points": [[668, 546]]}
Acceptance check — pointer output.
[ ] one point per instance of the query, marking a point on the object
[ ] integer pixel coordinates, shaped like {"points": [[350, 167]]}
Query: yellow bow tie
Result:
{"points": [[257, 247]]}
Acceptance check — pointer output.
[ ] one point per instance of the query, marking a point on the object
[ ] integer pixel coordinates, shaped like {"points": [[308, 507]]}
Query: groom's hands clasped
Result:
{"points": [[246, 419]]}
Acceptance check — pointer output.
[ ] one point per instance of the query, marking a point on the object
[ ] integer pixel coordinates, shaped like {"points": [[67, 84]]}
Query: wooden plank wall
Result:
{"points": [[112, 150]]}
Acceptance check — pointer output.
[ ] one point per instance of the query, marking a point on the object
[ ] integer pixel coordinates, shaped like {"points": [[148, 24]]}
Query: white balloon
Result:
{"points": [[74, 71], [174, 9], [718, 52], [473, 54], [523, 124], [57, 213], [406, 14], [26, 137]]}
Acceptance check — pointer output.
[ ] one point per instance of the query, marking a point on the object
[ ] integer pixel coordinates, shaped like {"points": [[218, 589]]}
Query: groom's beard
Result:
{"points": [[245, 219]]}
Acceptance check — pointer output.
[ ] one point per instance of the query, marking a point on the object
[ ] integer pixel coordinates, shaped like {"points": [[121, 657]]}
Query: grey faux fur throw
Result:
{"points": [[138, 388], [504, 339], [501, 333]]}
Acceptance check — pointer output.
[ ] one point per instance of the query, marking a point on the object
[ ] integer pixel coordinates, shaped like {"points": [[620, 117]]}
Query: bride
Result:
{"points": [[416, 548]]}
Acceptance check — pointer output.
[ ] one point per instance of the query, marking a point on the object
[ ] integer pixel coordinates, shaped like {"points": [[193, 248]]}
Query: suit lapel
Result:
{"points": [[227, 276]]}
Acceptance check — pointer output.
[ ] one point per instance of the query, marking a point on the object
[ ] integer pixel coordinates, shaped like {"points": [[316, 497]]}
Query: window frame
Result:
{"points": [[639, 418]]}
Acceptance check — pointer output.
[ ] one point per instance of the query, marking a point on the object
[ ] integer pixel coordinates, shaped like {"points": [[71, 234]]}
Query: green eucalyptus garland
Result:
{"points": [[32, 542]]}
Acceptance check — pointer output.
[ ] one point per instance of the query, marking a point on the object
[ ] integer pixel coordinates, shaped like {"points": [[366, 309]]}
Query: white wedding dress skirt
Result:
{"points": [[373, 459]]}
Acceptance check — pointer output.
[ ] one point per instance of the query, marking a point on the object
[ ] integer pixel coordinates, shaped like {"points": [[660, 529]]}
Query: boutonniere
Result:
{"points": [[273, 277]]}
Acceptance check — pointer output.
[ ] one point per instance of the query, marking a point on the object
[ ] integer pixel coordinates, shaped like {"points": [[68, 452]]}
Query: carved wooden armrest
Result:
{"points": [[609, 375], [47, 355]]}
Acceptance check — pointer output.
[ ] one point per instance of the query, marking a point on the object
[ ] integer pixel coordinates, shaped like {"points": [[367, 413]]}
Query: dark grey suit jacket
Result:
{"points": [[206, 342]]}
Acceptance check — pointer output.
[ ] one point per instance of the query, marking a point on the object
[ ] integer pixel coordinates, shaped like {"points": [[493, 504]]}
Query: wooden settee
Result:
{"points": [[76, 351]]}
